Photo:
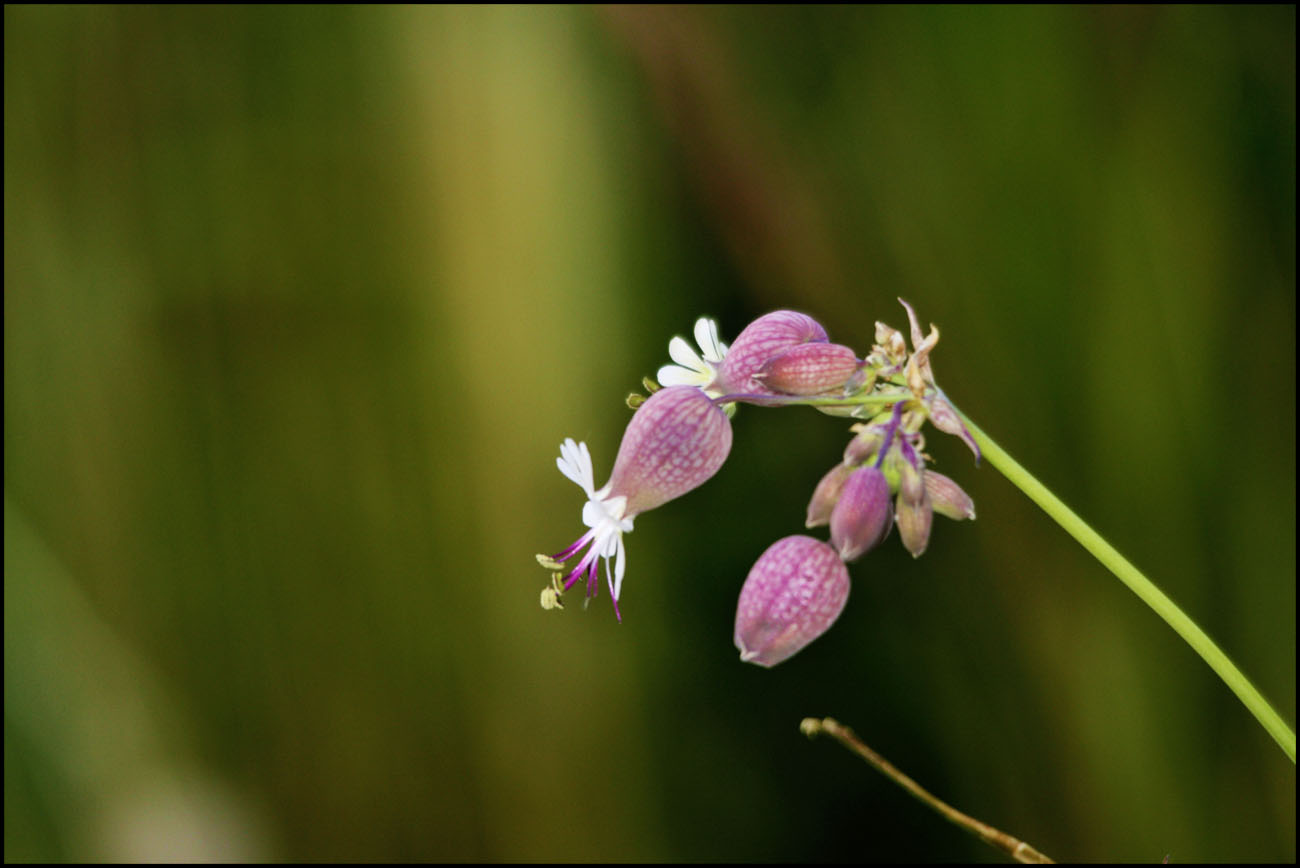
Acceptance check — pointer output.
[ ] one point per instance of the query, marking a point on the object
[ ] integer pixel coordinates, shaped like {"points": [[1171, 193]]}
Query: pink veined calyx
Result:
{"points": [[675, 442]]}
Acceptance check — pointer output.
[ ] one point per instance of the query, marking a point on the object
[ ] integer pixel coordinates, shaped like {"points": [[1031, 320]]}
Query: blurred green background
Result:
{"points": [[300, 302]]}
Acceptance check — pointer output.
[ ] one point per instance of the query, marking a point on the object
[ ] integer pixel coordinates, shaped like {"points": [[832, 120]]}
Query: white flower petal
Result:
{"points": [[675, 375], [588, 476], [706, 335], [620, 564], [575, 463], [592, 515], [610, 579], [682, 354], [615, 507]]}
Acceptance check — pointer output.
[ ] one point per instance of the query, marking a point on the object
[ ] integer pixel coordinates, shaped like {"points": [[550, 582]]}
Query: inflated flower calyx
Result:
{"points": [[675, 442], [864, 514], [825, 495], [762, 339], [809, 369], [947, 497], [792, 595], [677, 439], [913, 511]]}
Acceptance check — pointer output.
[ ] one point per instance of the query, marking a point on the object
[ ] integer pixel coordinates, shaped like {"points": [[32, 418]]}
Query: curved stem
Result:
{"points": [[1140, 585]]}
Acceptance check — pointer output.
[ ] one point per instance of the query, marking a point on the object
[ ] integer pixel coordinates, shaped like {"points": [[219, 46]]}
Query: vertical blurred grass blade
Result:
{"points": [[85, 710]]}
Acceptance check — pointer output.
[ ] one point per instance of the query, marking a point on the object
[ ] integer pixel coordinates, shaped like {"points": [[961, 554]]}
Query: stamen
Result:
{"points": [[579, 569], [560, 557]]}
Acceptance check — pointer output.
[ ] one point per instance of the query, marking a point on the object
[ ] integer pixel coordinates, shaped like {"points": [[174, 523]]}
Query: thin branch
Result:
{"points": [[1012, 846]]}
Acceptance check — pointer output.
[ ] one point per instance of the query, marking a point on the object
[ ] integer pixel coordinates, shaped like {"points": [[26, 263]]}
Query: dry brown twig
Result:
{"points": [[1012, 846]]}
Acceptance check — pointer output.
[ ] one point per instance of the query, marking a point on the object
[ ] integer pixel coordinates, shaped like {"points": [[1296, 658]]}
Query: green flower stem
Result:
{"points": [[1140, 585]]}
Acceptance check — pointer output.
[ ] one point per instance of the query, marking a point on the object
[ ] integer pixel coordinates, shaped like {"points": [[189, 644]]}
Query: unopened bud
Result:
{"points": [[947, 497], [809, 369], [825, 495], [944, 417], [761, 340], [913, 511], [793, 594], [863, 447], [863, 516]]}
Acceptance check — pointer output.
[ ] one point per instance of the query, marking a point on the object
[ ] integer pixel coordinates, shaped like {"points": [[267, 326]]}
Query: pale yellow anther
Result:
{"points": [[549, 562], [551, 599]]}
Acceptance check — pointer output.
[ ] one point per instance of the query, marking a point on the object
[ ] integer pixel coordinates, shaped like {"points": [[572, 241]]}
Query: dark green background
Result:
{"points": [[299, 304]]}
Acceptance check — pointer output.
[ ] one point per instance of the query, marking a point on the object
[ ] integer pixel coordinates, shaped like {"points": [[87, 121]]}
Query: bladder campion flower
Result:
{"points": [[793, 594], [762, 339], [675, 442]]}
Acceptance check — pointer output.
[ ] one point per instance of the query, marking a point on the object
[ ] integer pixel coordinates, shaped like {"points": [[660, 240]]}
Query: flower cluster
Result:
{"points": [[680, 436]]}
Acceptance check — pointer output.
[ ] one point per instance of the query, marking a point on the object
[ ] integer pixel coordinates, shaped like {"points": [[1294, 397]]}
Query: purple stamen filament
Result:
{"points": [[561, 557]]}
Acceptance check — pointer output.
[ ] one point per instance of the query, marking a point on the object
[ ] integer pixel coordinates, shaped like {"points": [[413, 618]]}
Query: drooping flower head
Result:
{"points": [[793, 594], [675, 442]]}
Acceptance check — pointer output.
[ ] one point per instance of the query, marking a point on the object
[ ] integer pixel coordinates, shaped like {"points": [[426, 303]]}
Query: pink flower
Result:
{"points": [[809, 369], [793, 594], [863, 515], [761, 340], [675, 442]]}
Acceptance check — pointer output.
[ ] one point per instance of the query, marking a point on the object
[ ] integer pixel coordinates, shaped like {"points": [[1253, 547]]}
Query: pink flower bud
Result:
{"points": [[913, 511], [944, 417], [762, 339], [863, 447], [793, 594], [947, 497], [808, 369], [825, 495], [675, 442], [864, 514]]}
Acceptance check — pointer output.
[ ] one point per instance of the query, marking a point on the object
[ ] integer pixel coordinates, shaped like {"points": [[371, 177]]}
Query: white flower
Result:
{"points": [[692, 368], [604, 515]]}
